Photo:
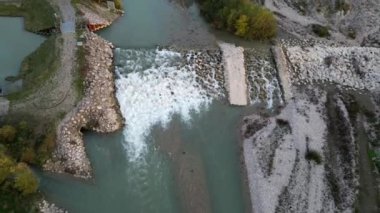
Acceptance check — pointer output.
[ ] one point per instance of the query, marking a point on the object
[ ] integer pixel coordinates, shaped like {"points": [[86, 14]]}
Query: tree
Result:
{"points": [[6, 167], [25, 181], [241, 26], [28, 155], [263, 26], [7, 134]]}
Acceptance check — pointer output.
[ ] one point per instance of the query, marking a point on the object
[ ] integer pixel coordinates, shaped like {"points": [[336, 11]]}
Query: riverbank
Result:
{"points": [[97, 111]]}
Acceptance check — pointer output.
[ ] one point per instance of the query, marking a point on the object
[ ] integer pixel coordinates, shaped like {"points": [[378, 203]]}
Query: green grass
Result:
{"points": [[37, 68], [38, 14]]}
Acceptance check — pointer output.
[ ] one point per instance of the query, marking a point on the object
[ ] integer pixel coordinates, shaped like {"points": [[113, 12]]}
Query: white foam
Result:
{"points": [[153, 93]]}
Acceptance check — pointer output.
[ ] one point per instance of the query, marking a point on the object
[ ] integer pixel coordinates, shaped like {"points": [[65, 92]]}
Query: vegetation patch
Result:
{"points": [[320, 30], [375, 157], [19, 148], [241, 17], [38, 14], [312, 155], [37, 68]]}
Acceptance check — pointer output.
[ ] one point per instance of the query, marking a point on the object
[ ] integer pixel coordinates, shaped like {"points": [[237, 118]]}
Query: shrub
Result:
{"points": [[25, 181], [241, 17], [6, 165], [312, 155], [342, 5], [46, 148], [28, 155], [320, 30], [241, 26], [7, 133], [118, 4]]}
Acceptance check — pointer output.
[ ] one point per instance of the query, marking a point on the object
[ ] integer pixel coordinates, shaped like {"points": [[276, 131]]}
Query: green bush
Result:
{"points": [[118, 4], [320, 30], [25, 181], [312, 155], [241, 17], [6, 166], [7, 133]]}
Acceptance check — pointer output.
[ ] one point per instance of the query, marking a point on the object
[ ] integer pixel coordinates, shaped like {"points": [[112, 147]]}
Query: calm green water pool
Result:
{"points": [[15, 45]]}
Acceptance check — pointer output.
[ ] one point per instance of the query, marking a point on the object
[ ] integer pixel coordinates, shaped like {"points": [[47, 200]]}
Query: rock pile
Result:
{"points": [[352, 67], [97, 111]]}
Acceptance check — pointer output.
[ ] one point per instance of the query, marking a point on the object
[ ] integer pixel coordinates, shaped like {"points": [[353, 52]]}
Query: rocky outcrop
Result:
{"points": [[97, 111]]}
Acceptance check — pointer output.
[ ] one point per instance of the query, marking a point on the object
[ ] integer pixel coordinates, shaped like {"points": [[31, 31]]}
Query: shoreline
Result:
{"points": [[98, 111]]}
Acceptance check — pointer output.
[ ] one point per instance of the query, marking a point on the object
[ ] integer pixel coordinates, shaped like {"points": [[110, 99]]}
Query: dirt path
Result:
{"points": [[56, 95]]}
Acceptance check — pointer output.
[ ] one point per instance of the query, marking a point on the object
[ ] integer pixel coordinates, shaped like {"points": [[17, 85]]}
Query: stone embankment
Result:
{"points": [[234, 72], [97, 111]]}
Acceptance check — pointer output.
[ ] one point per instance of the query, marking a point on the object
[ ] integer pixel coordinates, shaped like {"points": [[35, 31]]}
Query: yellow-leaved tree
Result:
{"points": [[25, 181], [241, 26]]}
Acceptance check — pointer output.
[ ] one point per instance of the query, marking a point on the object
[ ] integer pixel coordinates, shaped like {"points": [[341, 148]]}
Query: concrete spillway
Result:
{"points": [[234, 72]]}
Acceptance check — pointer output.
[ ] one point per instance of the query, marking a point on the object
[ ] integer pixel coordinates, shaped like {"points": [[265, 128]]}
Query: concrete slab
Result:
{"points": [[235, 74]]}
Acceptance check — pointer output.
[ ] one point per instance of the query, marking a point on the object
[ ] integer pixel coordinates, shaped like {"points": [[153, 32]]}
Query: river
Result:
{"points": [[179, 151]]}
